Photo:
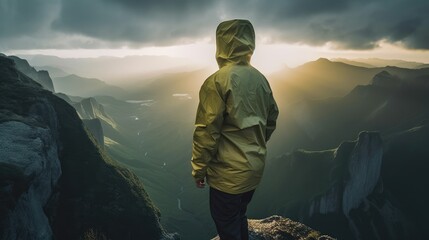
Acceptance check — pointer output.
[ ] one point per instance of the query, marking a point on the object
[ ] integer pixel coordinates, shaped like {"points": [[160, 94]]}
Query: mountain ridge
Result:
{"points": [[40, 76], [79, 200], [86, 87], [378, 62]]}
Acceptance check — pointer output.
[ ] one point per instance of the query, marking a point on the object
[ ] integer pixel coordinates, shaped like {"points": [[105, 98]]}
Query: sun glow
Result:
{"points": [[267, 57]]}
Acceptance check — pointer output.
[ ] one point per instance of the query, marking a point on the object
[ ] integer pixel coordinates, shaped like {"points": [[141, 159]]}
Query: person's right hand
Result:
{"points": [[200, 183]]}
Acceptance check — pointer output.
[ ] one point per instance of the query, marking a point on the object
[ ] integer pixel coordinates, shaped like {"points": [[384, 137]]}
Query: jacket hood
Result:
{"points": [[235, 39]]}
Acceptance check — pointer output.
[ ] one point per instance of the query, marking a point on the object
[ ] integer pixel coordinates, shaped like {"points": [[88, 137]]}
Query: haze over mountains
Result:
{"points": [[86, 87], [320, 171], [377, 62], [113, 70]]}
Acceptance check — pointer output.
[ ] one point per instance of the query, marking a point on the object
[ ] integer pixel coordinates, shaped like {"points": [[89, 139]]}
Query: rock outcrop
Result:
{"points": [[54, 181], [350, 195], [30, 169], [97, 121], [41, 76], [277, 227], [339, 191], [95, 128], [89, 108]]}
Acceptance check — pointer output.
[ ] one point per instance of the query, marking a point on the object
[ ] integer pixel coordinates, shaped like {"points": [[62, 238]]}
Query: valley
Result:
{"points": [[345, 134]]}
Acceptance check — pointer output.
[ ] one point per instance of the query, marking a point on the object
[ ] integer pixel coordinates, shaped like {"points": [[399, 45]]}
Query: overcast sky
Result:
{"points": [[346, 24]]}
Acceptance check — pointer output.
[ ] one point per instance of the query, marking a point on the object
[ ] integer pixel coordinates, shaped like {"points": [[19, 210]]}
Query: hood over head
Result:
{"points": [[235, 40]]}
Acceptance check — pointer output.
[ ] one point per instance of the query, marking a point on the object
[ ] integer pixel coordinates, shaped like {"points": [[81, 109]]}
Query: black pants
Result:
{"points": [[229, 214]]}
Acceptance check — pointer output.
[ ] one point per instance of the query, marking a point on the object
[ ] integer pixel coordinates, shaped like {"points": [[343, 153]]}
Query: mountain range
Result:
{"points": [[110, 69], [377, 62], [75, 85], [317, 172]]}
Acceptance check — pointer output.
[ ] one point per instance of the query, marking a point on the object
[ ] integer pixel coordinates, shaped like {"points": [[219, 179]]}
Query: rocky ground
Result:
{"points": [[280, 228]]}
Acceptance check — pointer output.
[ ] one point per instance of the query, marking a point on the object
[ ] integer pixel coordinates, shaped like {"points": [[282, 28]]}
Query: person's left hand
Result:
{"points": [[200, 183]]}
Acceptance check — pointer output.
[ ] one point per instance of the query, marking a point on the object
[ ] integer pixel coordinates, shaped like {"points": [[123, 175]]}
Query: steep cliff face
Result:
{"points": [[29, 169], [95, 128], [41, 76], [361, 174], [98, 122], [357, 196], [89, 108], [338, 191], [55, 182]]}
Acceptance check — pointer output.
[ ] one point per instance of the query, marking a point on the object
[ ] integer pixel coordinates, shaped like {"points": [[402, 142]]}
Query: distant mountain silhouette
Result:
{"points": [[377, 62], [111, 69], [310, 111], [353, 62], [324, 79], [385, 79], [53, 71], [86, 87]]}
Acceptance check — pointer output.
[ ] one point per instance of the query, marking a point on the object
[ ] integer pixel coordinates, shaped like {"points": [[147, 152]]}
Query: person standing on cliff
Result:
{"points": [[235, 118]]}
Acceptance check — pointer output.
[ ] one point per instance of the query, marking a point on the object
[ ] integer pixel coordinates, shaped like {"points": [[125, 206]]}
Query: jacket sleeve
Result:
{"points": [[273, 113], [208, 123]]}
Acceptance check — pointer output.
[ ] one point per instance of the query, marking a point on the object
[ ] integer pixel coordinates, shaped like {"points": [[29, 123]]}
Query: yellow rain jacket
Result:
{"points": [[236, 115]]}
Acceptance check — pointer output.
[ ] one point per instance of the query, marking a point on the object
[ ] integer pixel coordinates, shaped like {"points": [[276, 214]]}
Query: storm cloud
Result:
{"points": [[347, 24]]}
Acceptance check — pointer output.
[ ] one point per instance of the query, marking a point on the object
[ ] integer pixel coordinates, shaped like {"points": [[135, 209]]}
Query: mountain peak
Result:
{"points": [[323, 60], [41, 77], [385, 79]]}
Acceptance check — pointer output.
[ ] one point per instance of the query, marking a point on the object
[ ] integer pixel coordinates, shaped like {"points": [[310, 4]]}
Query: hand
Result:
{"points": [[200, 183]]}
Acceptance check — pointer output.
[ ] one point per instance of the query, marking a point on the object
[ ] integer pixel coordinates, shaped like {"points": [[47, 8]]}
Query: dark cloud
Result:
{"points": [[355, 24], [153, 22], [20, 16]]}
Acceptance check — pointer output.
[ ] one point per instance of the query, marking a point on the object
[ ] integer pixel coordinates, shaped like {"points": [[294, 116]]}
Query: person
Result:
{"points": [[235, 118]]}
